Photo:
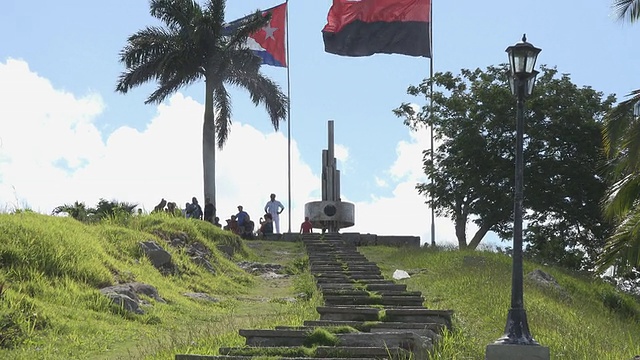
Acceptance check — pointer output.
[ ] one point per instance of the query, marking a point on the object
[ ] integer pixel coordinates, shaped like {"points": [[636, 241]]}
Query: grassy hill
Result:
{"points": [[51, 270]]}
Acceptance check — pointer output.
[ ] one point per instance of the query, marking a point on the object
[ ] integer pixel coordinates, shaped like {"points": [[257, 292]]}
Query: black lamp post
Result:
{"points": [[522, 59]]}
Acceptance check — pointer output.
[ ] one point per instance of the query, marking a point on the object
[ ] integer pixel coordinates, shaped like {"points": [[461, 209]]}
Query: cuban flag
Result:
{"points": [[269, 43]]}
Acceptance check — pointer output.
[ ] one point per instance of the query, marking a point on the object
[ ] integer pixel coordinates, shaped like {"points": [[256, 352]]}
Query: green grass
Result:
{"points": [[51, 269], [588, 319]]}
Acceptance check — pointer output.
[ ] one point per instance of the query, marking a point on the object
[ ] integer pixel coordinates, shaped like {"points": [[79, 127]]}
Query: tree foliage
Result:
{"points": [[472, 172], [622, 145], [196, 45], [105, 209]]}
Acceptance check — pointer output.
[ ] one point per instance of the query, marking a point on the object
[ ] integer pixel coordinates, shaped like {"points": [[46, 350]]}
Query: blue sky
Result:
{"points": [[65, 135]]}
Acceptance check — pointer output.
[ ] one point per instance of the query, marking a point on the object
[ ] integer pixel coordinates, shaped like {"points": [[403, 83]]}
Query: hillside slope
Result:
{"points": [[51, 270], [583, 319]]}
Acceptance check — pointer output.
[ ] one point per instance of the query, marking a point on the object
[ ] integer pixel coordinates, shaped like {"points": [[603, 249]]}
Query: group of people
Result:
{"points": [[239, 223], [242, 224]]}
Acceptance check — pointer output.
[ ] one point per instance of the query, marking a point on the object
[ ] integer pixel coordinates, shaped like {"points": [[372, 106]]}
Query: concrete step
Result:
{"points": [[345, 271], [294, 338], [418, 315], [348, 313], [336, 286], [379, 352], [386, 287], [349, 264], [388, 300], [321, 352], [336, 258], [344, 268], [370, 326], [353, 275], [270, 338], [240, 357], [334, 281], [363, 284], [360, 292]]}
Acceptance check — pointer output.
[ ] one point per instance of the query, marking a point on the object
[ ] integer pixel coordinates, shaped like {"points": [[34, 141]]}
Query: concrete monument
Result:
{"points": [[331, 214]]}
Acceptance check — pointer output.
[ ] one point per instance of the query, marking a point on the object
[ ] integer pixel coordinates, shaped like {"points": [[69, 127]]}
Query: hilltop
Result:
{"points": [[52, 270]]}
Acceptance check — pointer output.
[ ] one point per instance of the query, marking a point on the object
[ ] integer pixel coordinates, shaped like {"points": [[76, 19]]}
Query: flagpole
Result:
{"points": [[433, 214], [286, 26]]}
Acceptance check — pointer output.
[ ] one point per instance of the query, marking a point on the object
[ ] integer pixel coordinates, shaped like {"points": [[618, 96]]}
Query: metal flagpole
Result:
{"points": [[433, 214], [286, 26]]}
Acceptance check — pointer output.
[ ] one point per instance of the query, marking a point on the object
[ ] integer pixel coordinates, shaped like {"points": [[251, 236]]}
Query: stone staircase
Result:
{"points": [[391, 321]]}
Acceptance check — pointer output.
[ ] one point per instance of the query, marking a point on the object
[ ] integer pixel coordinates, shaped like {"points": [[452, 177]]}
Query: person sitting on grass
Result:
{"points": [[266, 226]]}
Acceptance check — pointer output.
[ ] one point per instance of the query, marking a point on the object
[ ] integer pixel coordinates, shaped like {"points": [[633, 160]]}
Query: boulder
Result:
{"points": [[158, 256]]}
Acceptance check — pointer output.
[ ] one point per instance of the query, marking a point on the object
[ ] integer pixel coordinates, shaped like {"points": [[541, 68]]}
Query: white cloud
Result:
{"points": [[405, 212], [380, 182], [51, 153]]}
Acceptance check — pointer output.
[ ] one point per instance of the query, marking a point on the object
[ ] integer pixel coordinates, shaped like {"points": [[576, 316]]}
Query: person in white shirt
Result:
{"points": [[274, 207]]}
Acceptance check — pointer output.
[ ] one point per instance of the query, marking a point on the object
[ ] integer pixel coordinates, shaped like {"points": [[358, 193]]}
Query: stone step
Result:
{"points": [[240, 357], [353, 275], [336, 286], [377, 282], [431, 331], [330, 256], [362, 284], [341, 264], [419, 315], [344, 268], [371, 325], [362, 352], [373, 300], [293, 338], [333, 251], [360, 292], [321, 352], [334, 281], [333, 244], [351, 313], [346, 272], [386, 287]]}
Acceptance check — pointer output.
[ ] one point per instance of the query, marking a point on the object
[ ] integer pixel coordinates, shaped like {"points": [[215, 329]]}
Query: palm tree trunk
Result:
{"points": [[209, 146]]}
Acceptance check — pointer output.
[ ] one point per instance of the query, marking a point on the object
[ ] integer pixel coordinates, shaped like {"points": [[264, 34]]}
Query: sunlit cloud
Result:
{"points": [[52, 154]]}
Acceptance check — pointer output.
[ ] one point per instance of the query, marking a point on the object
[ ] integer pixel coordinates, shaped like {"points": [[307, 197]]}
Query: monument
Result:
{"points": [[331, 213]]}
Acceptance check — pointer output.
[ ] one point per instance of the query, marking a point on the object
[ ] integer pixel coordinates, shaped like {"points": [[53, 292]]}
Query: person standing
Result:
{"points": [[241, 216], [194, 211], [275, 208]]}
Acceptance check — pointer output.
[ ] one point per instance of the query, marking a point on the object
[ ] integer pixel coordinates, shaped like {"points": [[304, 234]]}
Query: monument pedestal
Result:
{"points": [[517, 352]]}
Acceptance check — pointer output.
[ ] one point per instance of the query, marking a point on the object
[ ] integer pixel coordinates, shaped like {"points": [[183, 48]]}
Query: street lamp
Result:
{"points": [[522, 59]]}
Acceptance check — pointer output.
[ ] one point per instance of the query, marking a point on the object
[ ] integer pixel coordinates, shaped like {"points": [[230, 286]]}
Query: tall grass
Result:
{"points": [[51, 269], [585, 319]]}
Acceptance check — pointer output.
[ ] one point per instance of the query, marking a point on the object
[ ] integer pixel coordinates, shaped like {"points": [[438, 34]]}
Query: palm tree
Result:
{"points": [[195, 45], [77, 210], [627, 9], [622, 145], [106, 209]]}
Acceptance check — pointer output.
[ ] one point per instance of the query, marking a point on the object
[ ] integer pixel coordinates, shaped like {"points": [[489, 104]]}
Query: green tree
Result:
{"points": [[193, 46], [106, 209], [77, 210], [472, 172], [621, 138]]}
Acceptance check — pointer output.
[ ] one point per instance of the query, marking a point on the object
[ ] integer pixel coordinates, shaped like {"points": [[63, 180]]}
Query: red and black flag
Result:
{"points": [[367, 27]]}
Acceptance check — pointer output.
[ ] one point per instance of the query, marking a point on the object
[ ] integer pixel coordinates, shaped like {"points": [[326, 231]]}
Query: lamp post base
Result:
{"points": [[516, 352]]}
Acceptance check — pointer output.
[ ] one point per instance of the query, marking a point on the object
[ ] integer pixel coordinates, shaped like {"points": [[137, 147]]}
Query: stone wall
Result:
{"points": [[359, 239]]}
